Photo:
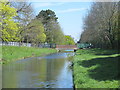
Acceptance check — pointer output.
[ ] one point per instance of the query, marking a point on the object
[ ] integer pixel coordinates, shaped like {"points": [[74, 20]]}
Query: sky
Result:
{"points": [[70, 15]]}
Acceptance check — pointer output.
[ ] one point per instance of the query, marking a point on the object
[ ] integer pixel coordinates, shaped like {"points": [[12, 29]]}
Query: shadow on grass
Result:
{"points": [[98, 52], [107, 68], [107, 52]]}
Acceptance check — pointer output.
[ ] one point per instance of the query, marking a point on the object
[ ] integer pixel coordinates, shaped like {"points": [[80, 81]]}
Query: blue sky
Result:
{"points": [[70, 15]]}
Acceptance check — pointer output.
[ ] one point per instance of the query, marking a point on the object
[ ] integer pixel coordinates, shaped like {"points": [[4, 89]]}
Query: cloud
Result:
{"points": [[46, 4], [71, 10]]}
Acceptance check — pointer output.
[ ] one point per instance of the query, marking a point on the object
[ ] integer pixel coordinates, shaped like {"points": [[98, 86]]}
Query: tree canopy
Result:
{"points": [[35, 32], [101, 25], [69, 40], [25, 13], [9, 28], [52, 28], [19, 24], [47, 16]]}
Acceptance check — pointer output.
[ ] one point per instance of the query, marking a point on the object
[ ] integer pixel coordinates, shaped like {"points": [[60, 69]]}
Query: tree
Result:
{"points": [[9, 28], [52, 28], [25, 15], [69, 40], [35, 32], [25, 12], [101, 25], [47, 16], [55, 34]]}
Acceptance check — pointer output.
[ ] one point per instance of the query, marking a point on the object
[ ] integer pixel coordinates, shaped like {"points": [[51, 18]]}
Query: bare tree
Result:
{"points": [[25, 15], [100, 25]]}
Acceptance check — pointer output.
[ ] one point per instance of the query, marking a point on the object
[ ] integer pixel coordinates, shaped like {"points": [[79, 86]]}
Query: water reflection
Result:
{"points": [[51, 71]]}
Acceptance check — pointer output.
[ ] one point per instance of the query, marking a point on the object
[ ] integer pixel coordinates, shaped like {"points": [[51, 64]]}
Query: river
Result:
{"points": [[51, 71]]}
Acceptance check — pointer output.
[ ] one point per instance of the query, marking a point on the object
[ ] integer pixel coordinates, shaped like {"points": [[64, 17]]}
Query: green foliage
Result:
{"points": [[96, 68], [46, 16], [52, 28], [69, 40], [10, 53], [35, 32], [55, 34], [9, 27]]}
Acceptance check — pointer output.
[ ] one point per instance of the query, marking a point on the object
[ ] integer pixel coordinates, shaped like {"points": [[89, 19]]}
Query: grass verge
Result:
{"points": [[96, 68], [11, 53]]}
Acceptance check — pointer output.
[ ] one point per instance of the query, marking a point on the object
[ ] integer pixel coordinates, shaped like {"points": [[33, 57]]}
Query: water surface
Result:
{"points": [[51, 71]]}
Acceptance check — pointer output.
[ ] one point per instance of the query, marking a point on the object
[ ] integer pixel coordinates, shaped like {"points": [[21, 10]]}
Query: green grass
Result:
{"points": [[10, 53], [96, 68]]}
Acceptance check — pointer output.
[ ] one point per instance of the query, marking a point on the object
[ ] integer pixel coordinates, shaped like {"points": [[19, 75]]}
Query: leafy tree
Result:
{"points": [[47, 16], [55, 35], [52, 28], [35, 32], [69, 40], [9, 28]]}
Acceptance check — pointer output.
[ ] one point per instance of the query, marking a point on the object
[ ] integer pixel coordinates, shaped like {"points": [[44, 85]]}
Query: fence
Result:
{"points": [[42, 45]]}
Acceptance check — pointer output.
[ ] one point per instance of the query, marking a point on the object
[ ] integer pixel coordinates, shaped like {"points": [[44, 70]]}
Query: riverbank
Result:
{"points": [[96, 68], [11, 53]]}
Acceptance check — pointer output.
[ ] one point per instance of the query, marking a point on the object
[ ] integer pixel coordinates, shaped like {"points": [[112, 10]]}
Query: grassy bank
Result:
{"points": [[10, 53], [96, 68]]}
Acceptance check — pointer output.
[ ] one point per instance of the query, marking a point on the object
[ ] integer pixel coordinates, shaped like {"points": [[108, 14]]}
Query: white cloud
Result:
{"points": [[45, 4], [71, 10]]}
